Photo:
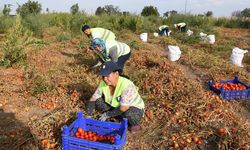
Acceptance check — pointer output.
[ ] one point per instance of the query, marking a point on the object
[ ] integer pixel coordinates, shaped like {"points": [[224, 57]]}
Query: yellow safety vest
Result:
{"points": [[122, 48], [162, 27], [122, 84], [181, 24], [104, 34]]}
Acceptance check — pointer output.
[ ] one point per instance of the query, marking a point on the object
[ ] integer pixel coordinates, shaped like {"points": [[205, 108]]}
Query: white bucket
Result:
{"points": [[174, 53], [211, 39], [156, 34], [144, 37]]}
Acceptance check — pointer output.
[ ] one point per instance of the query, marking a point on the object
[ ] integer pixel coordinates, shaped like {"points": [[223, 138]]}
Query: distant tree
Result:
{"points": [[110, 9], [169, 13], [246, 12], [30, 7], [99, 11], [107, 9], [125, 13], [6, 9], [209, 14], [74, 9], [237, 13], [150, 11], [166, 14]]}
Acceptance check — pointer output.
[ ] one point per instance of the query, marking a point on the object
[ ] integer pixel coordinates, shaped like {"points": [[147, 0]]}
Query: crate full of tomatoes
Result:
{"points": [[231, 89], [87, 133]]}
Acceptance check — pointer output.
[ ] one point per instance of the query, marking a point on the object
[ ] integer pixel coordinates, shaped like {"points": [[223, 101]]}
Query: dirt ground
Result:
{"points": [[26, 120]]}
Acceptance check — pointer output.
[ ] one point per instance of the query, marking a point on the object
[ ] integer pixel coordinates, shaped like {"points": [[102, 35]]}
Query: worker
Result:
{"points": [[111, 50], [164, 30], [116, 96], [181, 26], [102, 33]]}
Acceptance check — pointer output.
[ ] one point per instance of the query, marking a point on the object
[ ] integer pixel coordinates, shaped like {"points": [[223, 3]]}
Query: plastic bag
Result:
{"points": [[203, 36], [189, 32]]}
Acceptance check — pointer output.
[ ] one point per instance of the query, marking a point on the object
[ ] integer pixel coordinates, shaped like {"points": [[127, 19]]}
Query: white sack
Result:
{"points": [[174, 53], [237, 56]]}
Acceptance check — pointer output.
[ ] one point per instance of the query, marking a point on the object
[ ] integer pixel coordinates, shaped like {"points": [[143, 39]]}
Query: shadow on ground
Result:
{"points": [[13, 134], [81, 59]]}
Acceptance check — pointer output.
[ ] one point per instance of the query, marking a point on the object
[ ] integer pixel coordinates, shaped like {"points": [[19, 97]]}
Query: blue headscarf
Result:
{"points": [[99, 42]]}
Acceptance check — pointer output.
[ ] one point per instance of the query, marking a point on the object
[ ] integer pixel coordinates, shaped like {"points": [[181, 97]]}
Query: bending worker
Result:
{"points": [[181, 26], [111, 50], [164, 30], [117, 96], [101, 33]]}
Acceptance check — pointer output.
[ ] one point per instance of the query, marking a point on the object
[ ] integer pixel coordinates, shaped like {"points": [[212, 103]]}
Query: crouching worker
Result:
{"points": [[111, 50], [164, 30], [181, 26], [117, 96]]}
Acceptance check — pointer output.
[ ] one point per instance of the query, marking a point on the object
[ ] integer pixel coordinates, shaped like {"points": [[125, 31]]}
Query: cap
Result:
{"points": [[85, 27], [109, 67]]}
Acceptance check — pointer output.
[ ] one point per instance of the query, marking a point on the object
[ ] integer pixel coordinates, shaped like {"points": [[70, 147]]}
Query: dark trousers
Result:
{"points": [[122, 59], [183, 29], [164, 31], [133, 114]]}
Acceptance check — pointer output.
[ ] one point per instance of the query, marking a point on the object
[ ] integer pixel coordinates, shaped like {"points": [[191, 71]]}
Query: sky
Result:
{"points": [[220, 8]]}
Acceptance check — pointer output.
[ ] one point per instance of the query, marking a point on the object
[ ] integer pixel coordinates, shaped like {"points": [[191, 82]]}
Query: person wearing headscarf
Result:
{"points": [[111, 50]]}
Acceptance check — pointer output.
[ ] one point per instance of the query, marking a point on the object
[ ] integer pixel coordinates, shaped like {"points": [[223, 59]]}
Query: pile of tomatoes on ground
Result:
{"points": [[228, 86], [92, 136]]}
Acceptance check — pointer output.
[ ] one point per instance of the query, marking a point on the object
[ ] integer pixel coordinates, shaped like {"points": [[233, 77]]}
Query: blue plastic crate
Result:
{"points": [[118, 130], [232, 94]]}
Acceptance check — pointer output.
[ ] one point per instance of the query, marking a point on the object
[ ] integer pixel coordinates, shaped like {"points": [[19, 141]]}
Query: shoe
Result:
{"points": [[97, 65], [135, 128]]}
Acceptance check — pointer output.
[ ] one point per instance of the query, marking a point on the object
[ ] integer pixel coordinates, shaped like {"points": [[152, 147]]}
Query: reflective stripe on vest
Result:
{"points": [[122, 48], [122, 84], [105, 34]]}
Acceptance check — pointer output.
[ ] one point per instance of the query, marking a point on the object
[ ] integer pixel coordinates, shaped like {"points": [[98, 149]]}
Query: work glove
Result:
{"points": [[90, 108], [104, 117], [97, 65], [88, 116]]}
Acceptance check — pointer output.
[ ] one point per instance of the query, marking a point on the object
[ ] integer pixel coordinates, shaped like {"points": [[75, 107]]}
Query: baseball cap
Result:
{"points": [[109, 67]]}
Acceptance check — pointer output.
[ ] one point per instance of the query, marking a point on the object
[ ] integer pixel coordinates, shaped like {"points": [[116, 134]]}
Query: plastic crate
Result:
{"points": [[232, 94], [119, 130]]}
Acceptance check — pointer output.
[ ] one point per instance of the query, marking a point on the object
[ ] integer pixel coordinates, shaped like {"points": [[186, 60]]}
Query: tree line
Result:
{"points": [[34, 7]]}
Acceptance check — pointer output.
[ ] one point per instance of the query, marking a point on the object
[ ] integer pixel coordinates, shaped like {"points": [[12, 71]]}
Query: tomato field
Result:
{"points": [[38, 98]]}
